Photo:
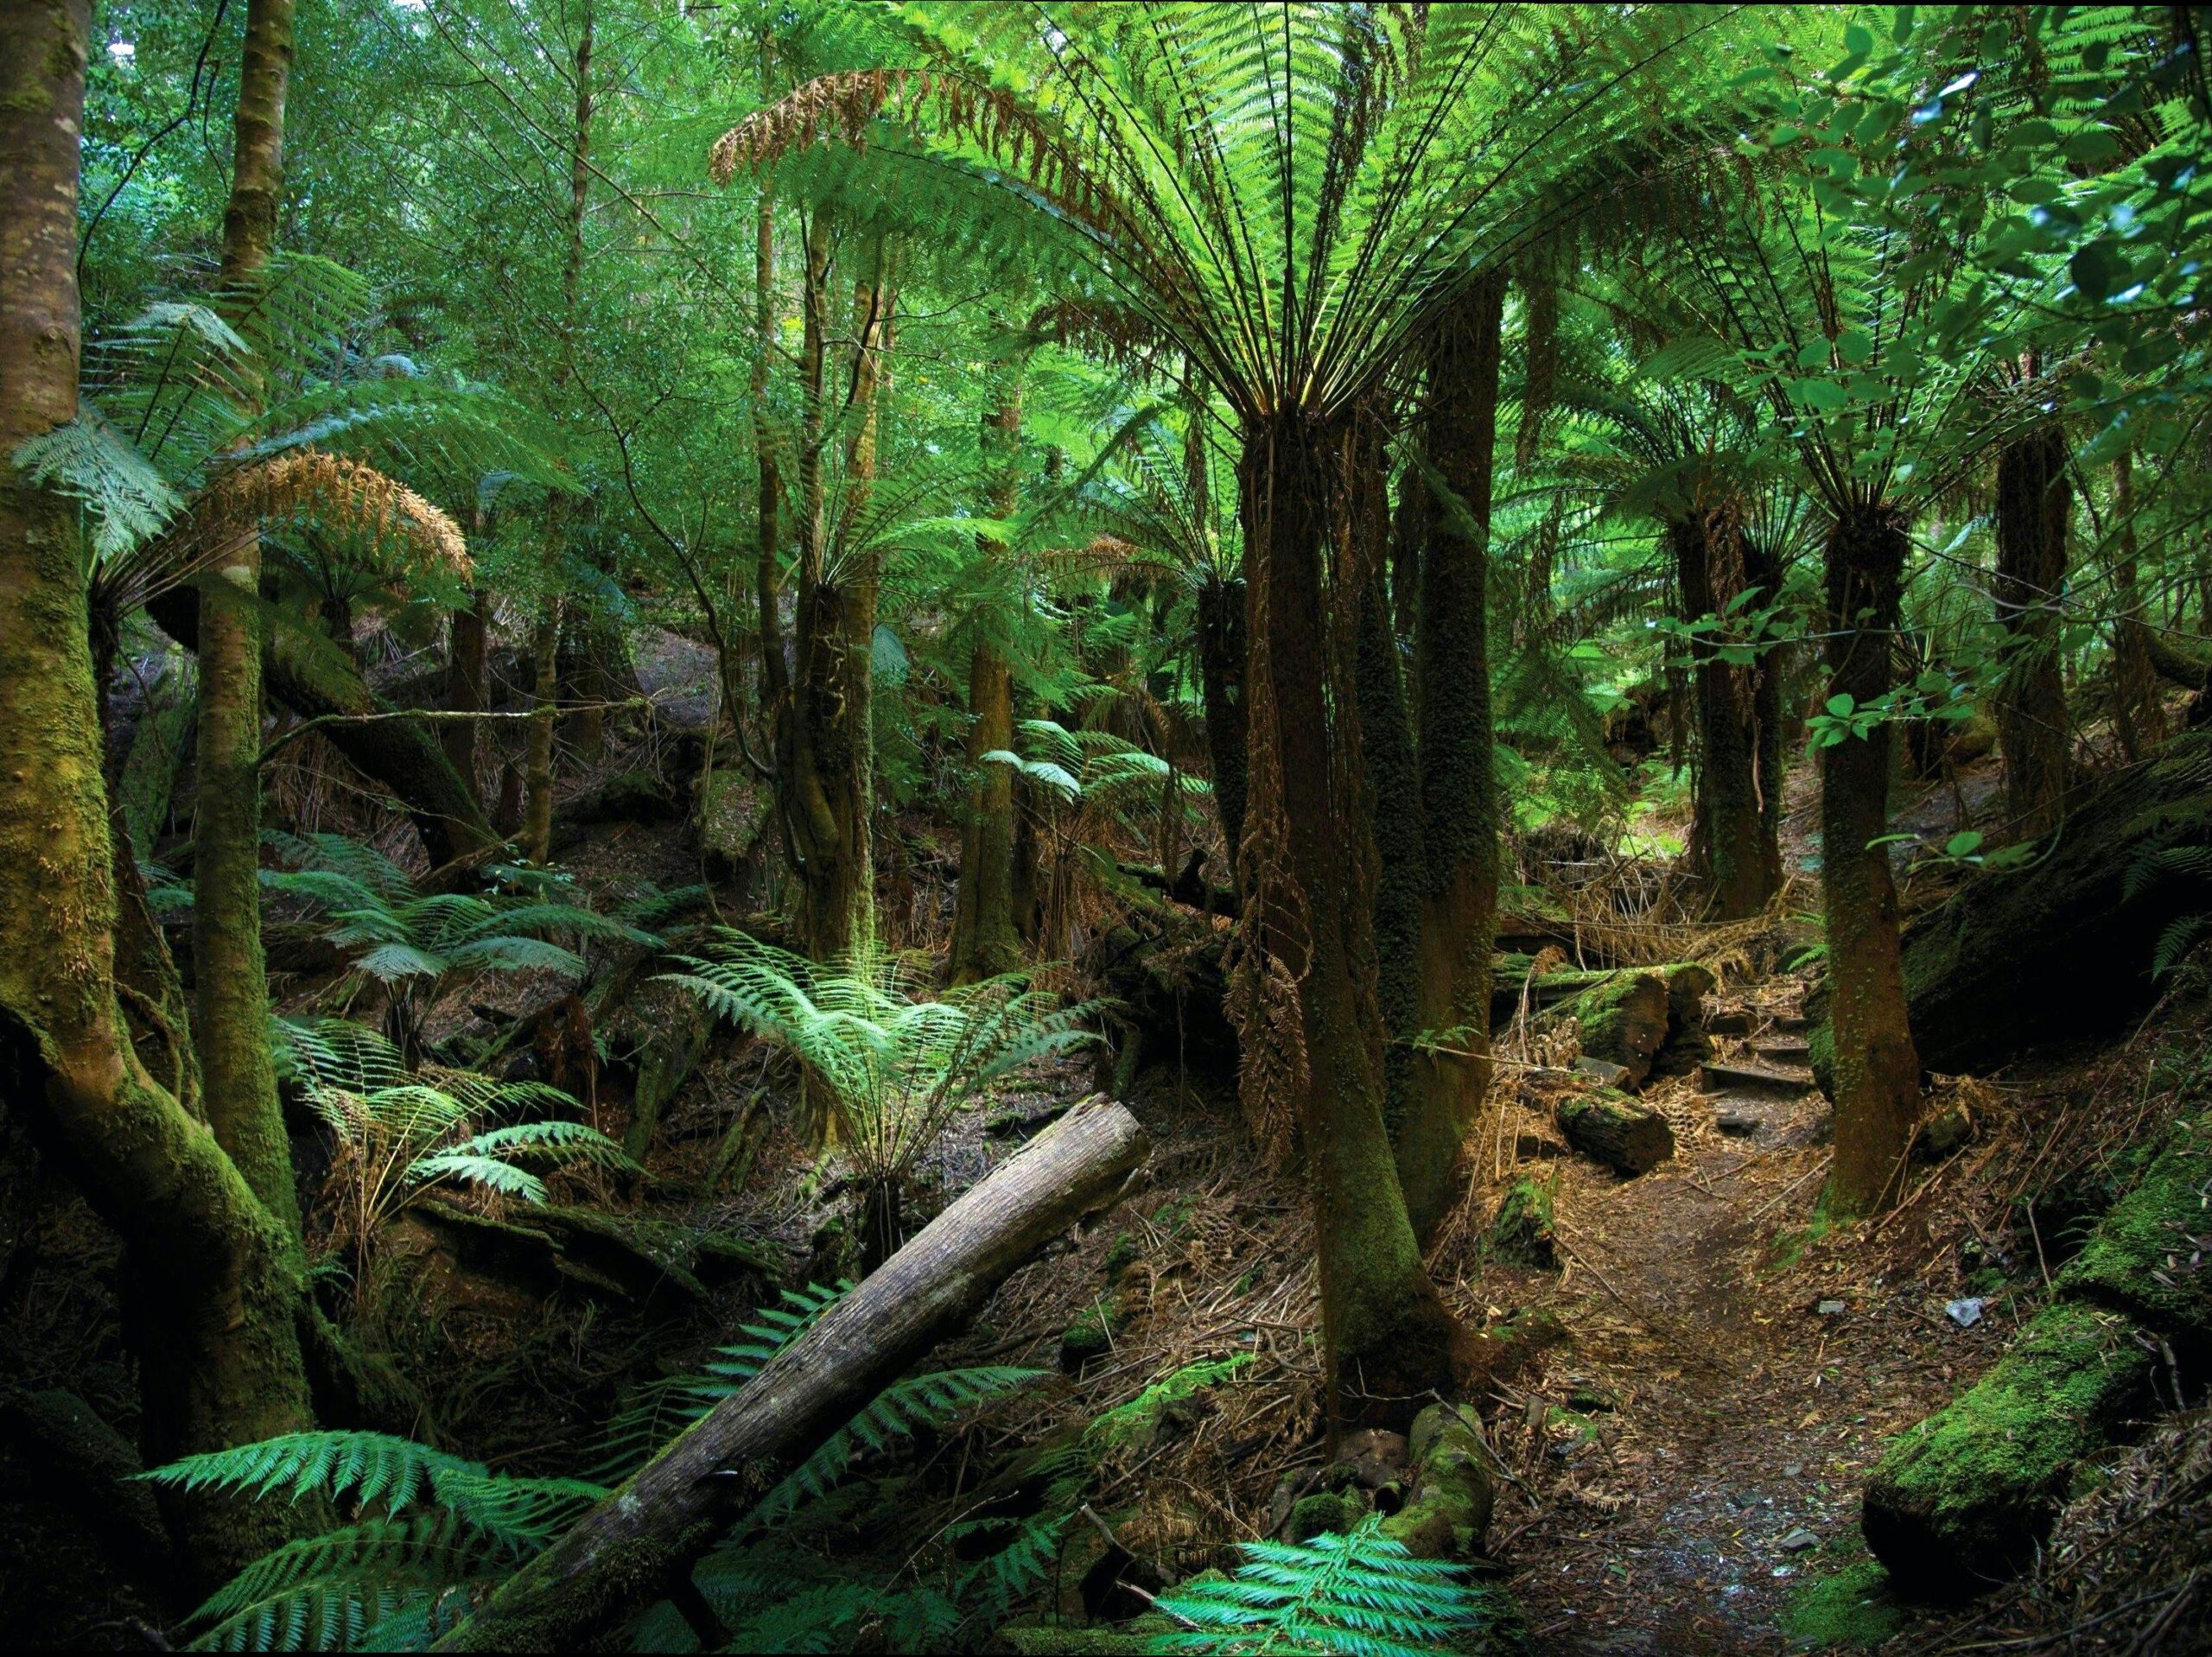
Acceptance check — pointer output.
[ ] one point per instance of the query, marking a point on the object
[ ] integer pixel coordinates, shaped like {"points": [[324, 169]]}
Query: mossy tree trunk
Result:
{"points": [[1877, 1071], [984, 942], [465, 684], [1222, 651], [230, 977], [1735, 840], [539, 763], [2033, 502], [1459, 796], [218, 1272], [1389, 1338]]}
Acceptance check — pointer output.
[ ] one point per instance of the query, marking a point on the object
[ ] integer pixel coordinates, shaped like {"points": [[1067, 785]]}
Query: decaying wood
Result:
{"points": [[639, 1543], [1617, 1131]]}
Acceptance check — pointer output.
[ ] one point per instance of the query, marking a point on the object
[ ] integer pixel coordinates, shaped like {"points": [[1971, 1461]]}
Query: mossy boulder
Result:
{"points": [[1452, 1491], [1089, 1337], [1853, 1608], [1964, 1499]]}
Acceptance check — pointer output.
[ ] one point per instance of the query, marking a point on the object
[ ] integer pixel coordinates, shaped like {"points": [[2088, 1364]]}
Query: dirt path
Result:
{"points": [[1696, 1451]]}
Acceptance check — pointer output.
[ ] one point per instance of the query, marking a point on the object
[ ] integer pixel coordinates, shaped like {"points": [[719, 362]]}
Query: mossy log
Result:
{"points": [[2063, 944], [1616, 1130], [634, 1547], [1643, 1020], [1962, 1500], [1623, 1019], [1452, 1493], [1969, 1494]]}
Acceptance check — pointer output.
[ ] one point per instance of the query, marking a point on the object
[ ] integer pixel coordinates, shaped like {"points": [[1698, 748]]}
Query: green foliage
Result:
{"points": [[1361, 1594], [403, 1132], [896, 1062], [1126, 1424], [427, 1531]]}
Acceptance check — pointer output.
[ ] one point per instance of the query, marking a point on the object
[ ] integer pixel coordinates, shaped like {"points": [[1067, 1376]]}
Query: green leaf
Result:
{"points": [[1964, 844], [1841, 703], [1824, 396]]}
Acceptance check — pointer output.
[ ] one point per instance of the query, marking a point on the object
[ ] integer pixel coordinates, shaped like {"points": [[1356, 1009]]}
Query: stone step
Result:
{"points": [[1772, 1081], [1783, 1050], [1788, 1023], [1728, 1021]]}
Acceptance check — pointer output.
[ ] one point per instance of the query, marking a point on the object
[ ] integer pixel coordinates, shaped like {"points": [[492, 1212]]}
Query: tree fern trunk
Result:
{"points": [[2135, 682], [216, 1275], [2033, 499], [465, 685], [1877, 1071], [1459, 799], [1388, 1336], [1220, 682], [1735, 840]]}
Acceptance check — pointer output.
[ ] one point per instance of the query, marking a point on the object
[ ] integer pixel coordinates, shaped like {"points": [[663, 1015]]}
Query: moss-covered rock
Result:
{"points": [[1090, 1336], [1853, 1608], [1137, 1636], [1964, 1498]]}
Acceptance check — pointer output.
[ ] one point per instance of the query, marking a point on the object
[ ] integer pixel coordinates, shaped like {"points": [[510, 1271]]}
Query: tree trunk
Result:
{"points": [[1610, 1128], [464, 689], [218, 1274], [1394, 810], [545, 697], [1459, 800], [1222, 651], [1389, 1340], [1877, 1072], [2033, 499], [2142, 722], [638, 1544], [984, 942], [1735, 839], [230, 978]]}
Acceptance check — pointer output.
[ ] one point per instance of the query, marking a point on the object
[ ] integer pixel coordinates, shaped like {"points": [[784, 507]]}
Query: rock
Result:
{"points": [[1797, 1541], [1604, 1071], [1375, 1455], [1733, 1119], [1965, 1313]]}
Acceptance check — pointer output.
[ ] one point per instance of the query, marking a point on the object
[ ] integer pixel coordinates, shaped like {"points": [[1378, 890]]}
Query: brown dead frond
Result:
{"points": [[351, 506]]}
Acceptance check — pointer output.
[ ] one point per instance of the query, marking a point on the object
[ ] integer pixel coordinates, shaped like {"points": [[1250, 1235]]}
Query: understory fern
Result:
{"points": [[429, 1534], [1361, 1594]]}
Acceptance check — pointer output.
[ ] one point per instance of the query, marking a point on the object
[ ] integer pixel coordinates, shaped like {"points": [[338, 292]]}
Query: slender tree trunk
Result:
{"points": [[217, 1273], [1394, 808], [2033, 501], [984, 942], [1877, 1072], [545, 698], [768, 570], [1390, 1339], [2142, 721], [1459, 799], [1222, 651], [1735, 840], [465, 687], [230, 978]]}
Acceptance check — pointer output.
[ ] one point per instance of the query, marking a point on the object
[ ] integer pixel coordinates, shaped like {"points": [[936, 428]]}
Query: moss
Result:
{"points": [[1522, 1235], [1968, 1495], [1090, 1336], [1122, 1255], [1324, 1510], [1453, 1491], [2138, 1260], [1137, 1636], [1854, 1607]]}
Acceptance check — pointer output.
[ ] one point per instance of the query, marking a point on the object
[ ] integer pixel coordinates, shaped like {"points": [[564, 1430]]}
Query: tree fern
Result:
{"points": [[1360, 1596]]}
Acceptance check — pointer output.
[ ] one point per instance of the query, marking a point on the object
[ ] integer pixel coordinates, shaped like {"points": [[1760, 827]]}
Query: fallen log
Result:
{"points": [[2062, 945], [640, 1544], [1622, 1019], [1614, 1129]]}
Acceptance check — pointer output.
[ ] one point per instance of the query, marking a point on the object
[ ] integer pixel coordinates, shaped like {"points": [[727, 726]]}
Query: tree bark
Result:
{"points": [[640, 1544], [984, 942], [464, 689], [1610, 1128], [2033, 501], [1390, 1339], [220, 1287], [2136, 711], [1459, 797], [545, 698], [1877, 1071], [1222, 650], [1736, 836], [230, 978]]}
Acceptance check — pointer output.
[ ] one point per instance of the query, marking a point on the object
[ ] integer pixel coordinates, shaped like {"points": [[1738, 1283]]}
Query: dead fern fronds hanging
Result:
{"points": [[351, 506]]}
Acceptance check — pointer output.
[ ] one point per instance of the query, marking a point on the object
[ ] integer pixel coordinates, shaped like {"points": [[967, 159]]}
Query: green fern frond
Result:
{"points": [[1361, 1594]]}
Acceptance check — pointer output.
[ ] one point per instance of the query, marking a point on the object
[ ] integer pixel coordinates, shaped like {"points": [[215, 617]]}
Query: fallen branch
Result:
{"points": [[640, 1543]]}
